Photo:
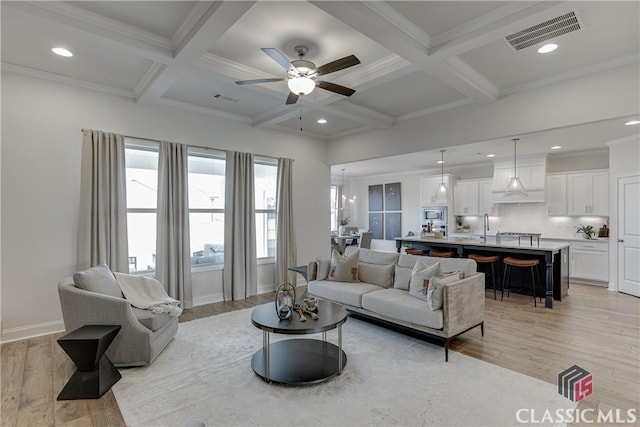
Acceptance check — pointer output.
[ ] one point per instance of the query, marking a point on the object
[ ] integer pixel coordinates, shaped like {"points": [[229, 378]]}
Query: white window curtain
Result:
{"points": [[285, 238], [102, 234], [173, 261], [240, 263]]}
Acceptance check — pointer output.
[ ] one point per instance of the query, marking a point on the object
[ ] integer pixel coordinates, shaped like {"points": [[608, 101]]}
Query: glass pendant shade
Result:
{"points": [[442, 188], [301, 85], [515, 186]]}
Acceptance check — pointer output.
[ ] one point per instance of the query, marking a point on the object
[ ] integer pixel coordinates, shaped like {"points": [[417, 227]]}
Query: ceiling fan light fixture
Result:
{"points": [[301, 85]]}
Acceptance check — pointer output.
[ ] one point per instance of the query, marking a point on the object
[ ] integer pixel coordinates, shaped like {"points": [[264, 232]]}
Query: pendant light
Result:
{"points": [[442, 188], [515, 186]]}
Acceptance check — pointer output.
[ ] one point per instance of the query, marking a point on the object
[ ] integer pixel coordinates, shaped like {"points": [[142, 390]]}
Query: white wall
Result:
{"points": [[41, 143], [624, 158]]}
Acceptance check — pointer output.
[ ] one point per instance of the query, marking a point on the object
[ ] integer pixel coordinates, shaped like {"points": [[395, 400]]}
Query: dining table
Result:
{"points": [[341, 240]]}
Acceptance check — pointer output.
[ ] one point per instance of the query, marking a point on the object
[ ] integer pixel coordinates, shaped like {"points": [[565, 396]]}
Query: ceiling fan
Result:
{"points": [[302, 74]]}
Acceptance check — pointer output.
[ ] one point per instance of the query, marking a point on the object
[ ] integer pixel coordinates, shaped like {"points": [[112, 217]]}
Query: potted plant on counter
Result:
{"points": [[587, 231], [343, 224]]}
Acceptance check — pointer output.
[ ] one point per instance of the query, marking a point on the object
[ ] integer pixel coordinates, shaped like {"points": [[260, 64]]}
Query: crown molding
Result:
{"points": [[575, 73], [433, 110], [57, 78], [189, 23], [203, 110], [152, 73], [349, 132]]}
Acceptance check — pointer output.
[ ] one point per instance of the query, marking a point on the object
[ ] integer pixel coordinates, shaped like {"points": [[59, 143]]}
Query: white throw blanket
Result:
{"points": [[148, 294]]}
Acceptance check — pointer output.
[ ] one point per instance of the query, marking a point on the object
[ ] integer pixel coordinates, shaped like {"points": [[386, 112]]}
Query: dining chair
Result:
{"points": [[365, 239]]}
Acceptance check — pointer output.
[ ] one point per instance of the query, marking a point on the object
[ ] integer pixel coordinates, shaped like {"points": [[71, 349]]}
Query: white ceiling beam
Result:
{"points": [[366, 18], [216, 20]]}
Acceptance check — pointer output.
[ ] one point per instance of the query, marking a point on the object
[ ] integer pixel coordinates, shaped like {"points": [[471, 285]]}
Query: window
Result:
{"points": [[142, 181], [206, 206], [266, 181], [334, 207]]}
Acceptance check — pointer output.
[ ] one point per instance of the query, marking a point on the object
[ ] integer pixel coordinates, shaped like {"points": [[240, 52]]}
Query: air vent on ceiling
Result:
{"points": [[545, 31], [225, 98]]}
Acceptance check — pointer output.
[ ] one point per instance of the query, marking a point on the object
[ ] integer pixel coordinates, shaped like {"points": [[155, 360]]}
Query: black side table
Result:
{"points": [[95, 374]]}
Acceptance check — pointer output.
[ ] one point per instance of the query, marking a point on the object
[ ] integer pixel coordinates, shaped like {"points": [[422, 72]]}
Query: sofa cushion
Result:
{"points": [[402, 277], [420, 276], [98, 279], [381, 275], [341, 292], [400, 305], [434, 292], [150, 320], [373, 257], [344, 268]]}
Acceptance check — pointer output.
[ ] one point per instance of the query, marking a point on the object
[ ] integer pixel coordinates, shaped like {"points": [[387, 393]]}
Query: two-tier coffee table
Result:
{"points": [[299, 361]]}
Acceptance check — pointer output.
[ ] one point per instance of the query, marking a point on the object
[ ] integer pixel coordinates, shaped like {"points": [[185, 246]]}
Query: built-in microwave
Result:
{"points": [[434, 214]]}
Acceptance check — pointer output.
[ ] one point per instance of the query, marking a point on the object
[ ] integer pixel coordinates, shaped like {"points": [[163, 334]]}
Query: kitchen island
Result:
{"points": [[554, 257]]}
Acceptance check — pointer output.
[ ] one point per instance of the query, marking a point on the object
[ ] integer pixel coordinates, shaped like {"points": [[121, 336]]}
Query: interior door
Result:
{"points": [[629, 235]]}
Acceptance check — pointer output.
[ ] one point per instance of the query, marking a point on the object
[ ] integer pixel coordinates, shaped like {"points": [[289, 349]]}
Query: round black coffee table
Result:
{"points": [[299, 361]]}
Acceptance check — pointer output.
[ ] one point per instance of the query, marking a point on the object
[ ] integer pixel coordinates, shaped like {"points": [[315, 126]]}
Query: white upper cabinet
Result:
{"points": [[556, 194], [485, 198], [588, 193], [429, 194], [465, 198]]}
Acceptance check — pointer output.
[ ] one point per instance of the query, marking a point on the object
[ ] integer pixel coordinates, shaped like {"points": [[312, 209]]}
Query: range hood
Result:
{"points": [[532, 171]]}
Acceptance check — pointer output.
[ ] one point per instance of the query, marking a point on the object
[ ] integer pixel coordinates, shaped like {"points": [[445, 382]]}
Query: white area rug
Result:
{"points": [[390, 380]]}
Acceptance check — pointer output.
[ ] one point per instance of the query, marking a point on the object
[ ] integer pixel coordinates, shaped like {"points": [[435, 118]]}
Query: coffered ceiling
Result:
{"points": [[417, 57]]}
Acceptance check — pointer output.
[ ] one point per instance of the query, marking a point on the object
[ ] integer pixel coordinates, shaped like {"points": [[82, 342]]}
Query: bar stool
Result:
{"points": [[412, 251], [440, 254], [490, 259], [521, 263]]}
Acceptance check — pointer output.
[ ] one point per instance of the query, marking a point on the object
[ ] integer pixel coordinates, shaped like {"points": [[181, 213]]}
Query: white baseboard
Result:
{"points": [[31, 331]]}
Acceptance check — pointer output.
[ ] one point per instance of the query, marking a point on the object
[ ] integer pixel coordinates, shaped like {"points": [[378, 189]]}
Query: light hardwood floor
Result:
{"points": [[594, 328]]}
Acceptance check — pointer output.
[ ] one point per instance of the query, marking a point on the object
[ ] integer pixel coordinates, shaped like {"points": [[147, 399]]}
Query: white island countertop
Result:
{"points": [[505, 244]]}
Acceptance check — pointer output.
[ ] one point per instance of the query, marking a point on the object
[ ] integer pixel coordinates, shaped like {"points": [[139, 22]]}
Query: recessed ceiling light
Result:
{"points": [[633, 122], [556, 147], [548, 48], [62, 52], [322, 121], [491, 155], [440, 161]]}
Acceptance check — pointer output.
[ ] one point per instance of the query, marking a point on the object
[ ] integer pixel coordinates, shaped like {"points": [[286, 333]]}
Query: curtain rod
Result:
{"points": [[189, 145]]}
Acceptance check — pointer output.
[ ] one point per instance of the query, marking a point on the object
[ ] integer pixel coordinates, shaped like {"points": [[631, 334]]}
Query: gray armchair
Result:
{"points": [[143, 335]]}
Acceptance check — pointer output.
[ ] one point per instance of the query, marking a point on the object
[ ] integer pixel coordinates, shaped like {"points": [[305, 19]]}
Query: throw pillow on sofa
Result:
{"points": [[420, 278], [377, 274], [402, 277], [98, 279], [344, 268], [434, 293]]}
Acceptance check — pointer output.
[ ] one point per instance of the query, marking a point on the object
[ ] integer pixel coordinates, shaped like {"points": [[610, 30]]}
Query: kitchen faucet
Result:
{"points": [[485, 226]]}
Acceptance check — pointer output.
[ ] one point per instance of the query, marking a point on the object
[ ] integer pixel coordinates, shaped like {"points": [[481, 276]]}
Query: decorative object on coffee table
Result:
{"points": [[96, 374], [285, 299]]}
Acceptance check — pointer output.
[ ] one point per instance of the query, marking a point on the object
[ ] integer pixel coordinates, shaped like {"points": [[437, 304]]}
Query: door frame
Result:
{"points": [[614, 228]]}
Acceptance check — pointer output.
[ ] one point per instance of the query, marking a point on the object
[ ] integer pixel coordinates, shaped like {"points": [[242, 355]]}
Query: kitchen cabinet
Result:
{"points": [[485, 198], [556, 194], [589, 261], [588, 193], [465, 198], [532, 177], [429, 194]]}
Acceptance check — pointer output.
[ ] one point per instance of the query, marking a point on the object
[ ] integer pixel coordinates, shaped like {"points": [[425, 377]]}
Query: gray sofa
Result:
{"points": [[463, 300], [143, 334]]}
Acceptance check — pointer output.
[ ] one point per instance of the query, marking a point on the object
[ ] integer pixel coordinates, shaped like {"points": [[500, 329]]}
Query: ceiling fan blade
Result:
{"points": [[332, 87], [337, 65], [248, 82], [278, 57], [292, 98]]}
